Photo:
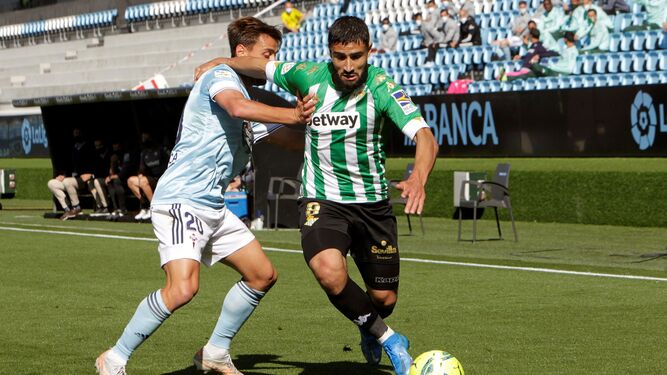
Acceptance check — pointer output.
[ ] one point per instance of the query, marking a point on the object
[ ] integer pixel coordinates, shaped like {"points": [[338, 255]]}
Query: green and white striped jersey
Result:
{"points": [[344, 156]]}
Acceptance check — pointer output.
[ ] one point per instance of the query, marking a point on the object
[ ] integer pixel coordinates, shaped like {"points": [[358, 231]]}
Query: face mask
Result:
{"points": [[419, 22], [431, 10], [385, 27], [445, 18], [523, 11], [288, 10], [464, 19]]}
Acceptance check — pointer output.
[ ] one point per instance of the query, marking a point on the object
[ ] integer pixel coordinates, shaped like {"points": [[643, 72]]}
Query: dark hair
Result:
{"points": [[386, 19], [535, 33], [348, 29], [569, 36], [246, 31], [592, 10], [418, 14], [523, 2]]}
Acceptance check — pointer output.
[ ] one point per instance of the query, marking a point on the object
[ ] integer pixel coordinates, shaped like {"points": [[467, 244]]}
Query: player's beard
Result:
{"points": [[347, 87]]}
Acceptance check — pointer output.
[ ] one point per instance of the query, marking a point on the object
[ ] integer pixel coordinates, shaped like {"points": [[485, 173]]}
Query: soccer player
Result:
{"points": [[188, 212], [345, 206]]}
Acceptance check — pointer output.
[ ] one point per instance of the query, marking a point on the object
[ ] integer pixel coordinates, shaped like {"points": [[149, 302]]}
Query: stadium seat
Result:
{"points": [[613, 62], [601, 62], [587, 63], [613, 80], [626, 42], [563, 82], [530, 84], [662, 61], [652, 38], [627, 79], [495, 86], [652, 78], [615, 41], [600, 80], [640, 78], [625, 65], [638, 61], [663, 77], [542, 83], [638, 39], [518, 85], [588, 81], [473, 87]]}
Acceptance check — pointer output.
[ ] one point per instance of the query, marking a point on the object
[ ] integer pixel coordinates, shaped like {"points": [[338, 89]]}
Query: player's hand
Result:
{"points": [[205, 67], [413, 190], [304, 108]]}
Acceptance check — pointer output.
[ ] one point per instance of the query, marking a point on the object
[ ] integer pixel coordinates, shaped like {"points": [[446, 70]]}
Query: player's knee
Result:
{"points": [[264, 280], [332, 279], [180, 295], [384, 301]]}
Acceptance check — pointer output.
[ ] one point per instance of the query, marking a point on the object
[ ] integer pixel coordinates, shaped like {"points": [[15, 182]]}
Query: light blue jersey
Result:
{"points": [[211, 146]]}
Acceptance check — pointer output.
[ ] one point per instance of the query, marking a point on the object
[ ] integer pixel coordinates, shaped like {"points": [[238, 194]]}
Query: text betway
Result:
{"points": [[327, 121]]}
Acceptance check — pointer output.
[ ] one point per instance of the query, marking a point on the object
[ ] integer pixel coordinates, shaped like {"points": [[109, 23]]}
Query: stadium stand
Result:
{"points": [[57, 57]]}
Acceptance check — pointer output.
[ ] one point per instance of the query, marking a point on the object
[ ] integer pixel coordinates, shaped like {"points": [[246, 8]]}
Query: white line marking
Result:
{"points": [[412, 260], [69, 227]]}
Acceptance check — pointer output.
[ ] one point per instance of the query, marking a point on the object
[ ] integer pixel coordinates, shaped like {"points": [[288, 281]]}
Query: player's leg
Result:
{"points": [[375, 251], [133, 184], [257, 276], [181, 286], [180, 261]]}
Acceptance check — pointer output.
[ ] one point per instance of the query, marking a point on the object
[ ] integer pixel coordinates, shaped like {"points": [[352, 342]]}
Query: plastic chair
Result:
{"points": [[499, 197], [638, 61], [626, 62], [601, 63]]}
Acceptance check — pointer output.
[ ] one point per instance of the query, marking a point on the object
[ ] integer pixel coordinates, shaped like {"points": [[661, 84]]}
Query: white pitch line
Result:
{"points": [[412, 260], [67, 227]]}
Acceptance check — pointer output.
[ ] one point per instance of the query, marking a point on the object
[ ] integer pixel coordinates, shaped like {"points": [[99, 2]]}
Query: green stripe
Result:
{"points": [[379, 161], [338, 159], [314, 140], [362, 149]]}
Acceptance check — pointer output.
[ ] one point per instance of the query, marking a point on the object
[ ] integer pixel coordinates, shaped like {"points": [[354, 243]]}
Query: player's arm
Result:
{"points": [[239, 107], [254, 67], [414, 187], [397, 105]]}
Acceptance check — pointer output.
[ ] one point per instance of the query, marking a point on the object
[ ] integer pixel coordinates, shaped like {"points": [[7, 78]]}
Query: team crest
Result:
{"points": [[404, 101], [286, 68], [380, 78], [301, 66], [312, 210], [390, 86]]}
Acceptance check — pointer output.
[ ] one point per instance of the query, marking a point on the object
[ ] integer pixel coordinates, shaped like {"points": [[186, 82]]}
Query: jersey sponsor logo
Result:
{"points": [[384, 248], [325, 121], [404, 101], [286, 68], [222, 74], [386, 280]]}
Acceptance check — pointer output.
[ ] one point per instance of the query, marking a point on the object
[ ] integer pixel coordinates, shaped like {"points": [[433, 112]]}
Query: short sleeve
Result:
{"points": [[295, 77], [261, 131], [219, 79], [396, 104]]}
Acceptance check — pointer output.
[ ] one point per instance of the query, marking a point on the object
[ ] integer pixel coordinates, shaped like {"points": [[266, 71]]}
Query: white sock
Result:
{"points": [[386, 335], [212, 351]]}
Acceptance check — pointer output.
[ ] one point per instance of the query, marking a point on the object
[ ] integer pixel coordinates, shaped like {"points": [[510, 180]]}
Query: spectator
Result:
{"points": [[597, 34], [551, 21], [431, 16], [151, 166], [389, 38], [120, 168], [657, 15], [470, 32], [555, 3], [57, 188], [612, 7], [570, 23], [519, 30], [81, 173], [291, 18], [583, 17], [449, 30], [564, 66], [533, 56], [426, 30], [468, 6], [101, 171]]}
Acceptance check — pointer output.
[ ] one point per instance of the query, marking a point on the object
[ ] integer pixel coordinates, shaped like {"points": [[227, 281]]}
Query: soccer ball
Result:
{"points": [[436, 362]]}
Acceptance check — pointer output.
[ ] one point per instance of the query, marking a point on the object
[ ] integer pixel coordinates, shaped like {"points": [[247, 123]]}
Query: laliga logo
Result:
{"points": [[645, 120], [32, 135]]}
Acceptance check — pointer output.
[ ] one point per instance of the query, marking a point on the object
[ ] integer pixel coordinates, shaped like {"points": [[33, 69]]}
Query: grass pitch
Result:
{"points": [[66, 298]]}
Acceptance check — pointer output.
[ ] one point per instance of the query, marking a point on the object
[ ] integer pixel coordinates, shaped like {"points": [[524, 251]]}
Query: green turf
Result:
{"points": [[67, 298], [15, 163]]}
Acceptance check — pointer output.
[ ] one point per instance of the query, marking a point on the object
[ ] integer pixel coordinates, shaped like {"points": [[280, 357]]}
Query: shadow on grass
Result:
{"points": [[267, 364]]}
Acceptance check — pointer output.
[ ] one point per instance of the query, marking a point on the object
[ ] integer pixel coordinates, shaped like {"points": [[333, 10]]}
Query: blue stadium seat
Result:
{"points": [[638, 39], [615, 41], [626, 42], [627, 79], [663, 77], [600, 80], [640, 78], [552, 83], [576, 82], [541, 84], [601, 62], [518, 85], [626, 62], [495, 86], [662, 62], [530, 84], [587, 63], [638, 61], [588, 81], [505, 86], [652, 38], [613, 62], [652, 78], [473, 88]]}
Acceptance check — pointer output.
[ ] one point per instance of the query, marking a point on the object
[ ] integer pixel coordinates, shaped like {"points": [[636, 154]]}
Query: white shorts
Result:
{"points": [[205, 235]]}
